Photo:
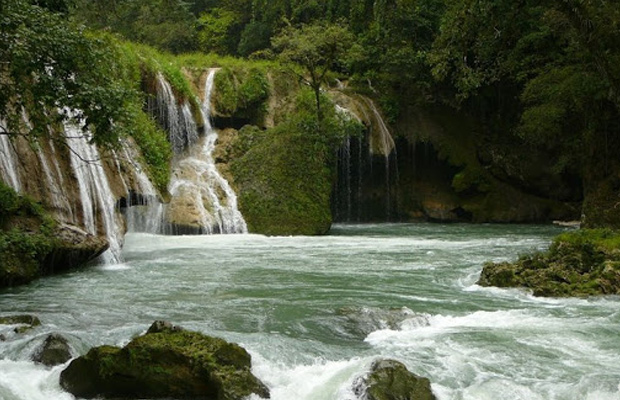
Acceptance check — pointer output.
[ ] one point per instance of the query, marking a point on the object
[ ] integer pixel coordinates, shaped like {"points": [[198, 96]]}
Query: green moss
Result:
{"points": [[284, 186], [26, 237], [169, 363], [241, 92], [29, 320], [578, 263], [283, 174], [155, 149]]}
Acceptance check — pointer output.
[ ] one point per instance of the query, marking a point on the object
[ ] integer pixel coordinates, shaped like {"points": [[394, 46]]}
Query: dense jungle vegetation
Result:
{"points": [[544, 73]]}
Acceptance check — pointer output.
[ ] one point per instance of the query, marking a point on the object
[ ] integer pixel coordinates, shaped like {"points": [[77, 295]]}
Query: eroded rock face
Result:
{"points": [[390, 380], [74, 248], [166, 362], [55, 350]]}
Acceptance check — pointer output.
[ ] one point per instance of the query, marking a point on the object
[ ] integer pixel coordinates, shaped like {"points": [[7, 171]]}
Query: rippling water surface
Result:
{"points": [[314, 312]]}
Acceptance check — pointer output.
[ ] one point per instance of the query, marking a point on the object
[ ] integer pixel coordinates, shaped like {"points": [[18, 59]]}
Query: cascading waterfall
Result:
{"points": [[146, 215], [55, 183], [197, 178], [8, 164], [95, 194], [345, 179]]}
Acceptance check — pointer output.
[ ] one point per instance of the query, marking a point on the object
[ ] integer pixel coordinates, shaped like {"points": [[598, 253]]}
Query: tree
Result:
{"points": [[219, 30], [52, 72], [166, 24], [318, 48]]}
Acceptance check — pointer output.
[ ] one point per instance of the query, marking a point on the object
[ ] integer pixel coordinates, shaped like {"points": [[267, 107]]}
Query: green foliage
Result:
{"points": [[165, 24], [40, 76], [216, 31], [558, 60], [155, 148], [255, 36], [241, 92], [26, 237]]}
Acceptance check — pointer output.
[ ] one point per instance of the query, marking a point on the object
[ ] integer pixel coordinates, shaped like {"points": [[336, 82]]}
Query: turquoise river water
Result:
{"points": [[315, 312]]}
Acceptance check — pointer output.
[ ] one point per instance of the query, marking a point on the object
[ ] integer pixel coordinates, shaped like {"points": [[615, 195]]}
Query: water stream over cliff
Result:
{"points": [[367, 182], [96, 196], [195, 178], [202, 201], [314, 312]]}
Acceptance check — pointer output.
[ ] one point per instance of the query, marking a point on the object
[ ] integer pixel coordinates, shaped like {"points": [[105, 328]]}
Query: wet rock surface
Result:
{"points": [[55, 350], [390, 380], [166, 362]]}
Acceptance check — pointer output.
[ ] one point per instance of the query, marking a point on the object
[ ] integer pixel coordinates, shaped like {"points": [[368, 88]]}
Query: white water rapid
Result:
{"points": [[315, 312]]}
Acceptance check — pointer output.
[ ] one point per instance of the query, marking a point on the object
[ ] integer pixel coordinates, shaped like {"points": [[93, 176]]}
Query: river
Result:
{"points": [[314, 312]]}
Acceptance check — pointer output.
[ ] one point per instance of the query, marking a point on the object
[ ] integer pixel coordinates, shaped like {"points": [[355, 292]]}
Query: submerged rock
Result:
{"points": [[25, 322], [390, 380], [25, 319], [55, 350], [362, 321], [166, 362]]}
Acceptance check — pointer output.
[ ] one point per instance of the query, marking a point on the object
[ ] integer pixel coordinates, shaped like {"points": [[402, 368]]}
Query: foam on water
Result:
{"points": [[21, 380], [317, 381], [314, 312]]}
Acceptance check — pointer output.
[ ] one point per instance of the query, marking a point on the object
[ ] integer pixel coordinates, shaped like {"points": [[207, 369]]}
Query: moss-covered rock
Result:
{"points": [[32, 244], [54, 350], [284, 188], [24, 322], [166, 362], [241, 94], [390, 380], [283, 174], [580, 263]]}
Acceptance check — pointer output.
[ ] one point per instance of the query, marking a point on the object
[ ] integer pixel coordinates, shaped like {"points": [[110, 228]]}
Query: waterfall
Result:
{"points": [[199, 190], [175, 118], [147, 215], [8, 164], [95, 194], [356, 170], [56, 190]]}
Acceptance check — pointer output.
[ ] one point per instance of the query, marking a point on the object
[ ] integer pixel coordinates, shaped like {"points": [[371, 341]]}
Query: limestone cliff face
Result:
{"points": [[81, 188]]}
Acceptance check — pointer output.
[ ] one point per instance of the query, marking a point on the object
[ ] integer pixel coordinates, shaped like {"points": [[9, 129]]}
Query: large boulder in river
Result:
{"points": [[578, 263], [55, 350], [166, 362], [390, 380]]}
